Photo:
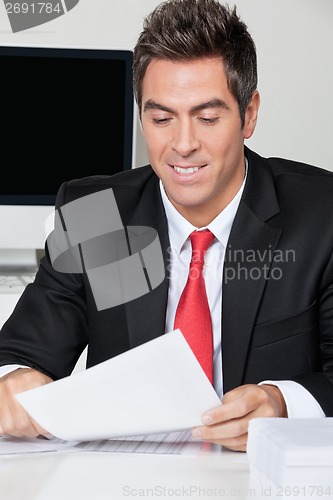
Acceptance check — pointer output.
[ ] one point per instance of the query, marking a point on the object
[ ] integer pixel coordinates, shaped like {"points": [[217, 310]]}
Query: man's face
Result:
{"points": [[195, 140]]}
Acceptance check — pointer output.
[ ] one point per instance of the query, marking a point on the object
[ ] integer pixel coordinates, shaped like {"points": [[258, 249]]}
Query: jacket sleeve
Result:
{"points": [[47, 329]]}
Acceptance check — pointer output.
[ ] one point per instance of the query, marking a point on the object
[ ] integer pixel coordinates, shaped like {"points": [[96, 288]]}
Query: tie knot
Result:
{"points": [[200, 241]]}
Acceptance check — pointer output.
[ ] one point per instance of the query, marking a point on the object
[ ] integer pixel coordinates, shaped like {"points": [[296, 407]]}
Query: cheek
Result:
{"points": [[156, 143], [216, 140], [153, 149], [216, 149], [227, 144]]}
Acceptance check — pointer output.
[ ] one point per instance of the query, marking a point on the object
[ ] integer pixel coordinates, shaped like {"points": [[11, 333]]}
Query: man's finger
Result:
{"points": [[40, 430]]}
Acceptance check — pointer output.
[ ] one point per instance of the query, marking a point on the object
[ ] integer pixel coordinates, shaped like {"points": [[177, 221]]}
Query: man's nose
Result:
{"points": [[185, 139]]}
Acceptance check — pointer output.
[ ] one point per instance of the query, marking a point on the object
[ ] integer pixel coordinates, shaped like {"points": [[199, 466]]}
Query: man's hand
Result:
{"points": [[227, 425], [14, 420]]}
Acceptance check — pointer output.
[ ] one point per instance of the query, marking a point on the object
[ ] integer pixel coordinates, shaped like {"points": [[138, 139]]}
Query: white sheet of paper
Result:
{"points": [[153, 388]]}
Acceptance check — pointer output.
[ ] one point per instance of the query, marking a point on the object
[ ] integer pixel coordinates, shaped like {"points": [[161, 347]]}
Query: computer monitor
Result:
{"points": [[65, 113]]}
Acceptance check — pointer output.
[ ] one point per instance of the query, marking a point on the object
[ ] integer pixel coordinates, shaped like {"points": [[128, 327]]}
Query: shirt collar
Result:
{"points": [[180, 228]]}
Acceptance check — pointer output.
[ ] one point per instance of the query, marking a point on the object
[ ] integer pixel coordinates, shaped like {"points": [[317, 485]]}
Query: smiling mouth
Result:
{"points": [[186, 170]]}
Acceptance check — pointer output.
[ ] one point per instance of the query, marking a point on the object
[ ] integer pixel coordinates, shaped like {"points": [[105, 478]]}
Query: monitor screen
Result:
{"points": [[66, 113]]}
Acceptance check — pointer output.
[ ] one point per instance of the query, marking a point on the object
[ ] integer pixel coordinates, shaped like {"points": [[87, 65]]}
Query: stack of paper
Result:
{"points": [[292, 451]]}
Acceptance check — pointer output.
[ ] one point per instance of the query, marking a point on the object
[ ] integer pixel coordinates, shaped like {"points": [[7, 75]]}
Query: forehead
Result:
{"points": [[172, 82]]}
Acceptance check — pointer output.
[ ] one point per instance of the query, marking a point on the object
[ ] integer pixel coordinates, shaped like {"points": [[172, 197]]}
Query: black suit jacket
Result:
{"points": [[277, 307]]}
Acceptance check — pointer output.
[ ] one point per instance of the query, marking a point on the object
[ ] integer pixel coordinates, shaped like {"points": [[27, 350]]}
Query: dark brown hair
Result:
{"points": [[190, 29]]}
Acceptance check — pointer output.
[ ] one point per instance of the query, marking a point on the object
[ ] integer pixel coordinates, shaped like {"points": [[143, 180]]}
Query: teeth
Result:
{"points": [[189, 170]]}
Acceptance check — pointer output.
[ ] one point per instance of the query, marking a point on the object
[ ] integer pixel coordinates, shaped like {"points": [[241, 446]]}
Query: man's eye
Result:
{"points": [[209, 121], [161, 121]]}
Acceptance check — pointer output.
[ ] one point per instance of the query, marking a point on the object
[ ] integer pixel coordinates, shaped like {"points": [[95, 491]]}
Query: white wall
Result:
{"points": [[294, 40]]}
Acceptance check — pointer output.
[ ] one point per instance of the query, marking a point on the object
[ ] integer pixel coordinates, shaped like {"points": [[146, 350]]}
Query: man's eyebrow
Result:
{"points": [[150, 104], [212, 103]]}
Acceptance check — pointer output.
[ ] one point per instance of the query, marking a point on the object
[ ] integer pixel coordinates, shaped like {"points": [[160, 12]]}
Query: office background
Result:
{"points": [[295, 61], [294, 41]]}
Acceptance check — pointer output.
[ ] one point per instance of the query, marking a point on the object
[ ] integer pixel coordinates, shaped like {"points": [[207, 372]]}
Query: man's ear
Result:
{"points": [[251, 115]]}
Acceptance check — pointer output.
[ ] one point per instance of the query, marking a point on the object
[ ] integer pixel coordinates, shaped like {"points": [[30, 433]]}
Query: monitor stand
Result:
{"points": [[18, 260]]}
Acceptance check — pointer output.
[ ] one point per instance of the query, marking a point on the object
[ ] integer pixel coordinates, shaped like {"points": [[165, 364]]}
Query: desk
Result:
{"points": [[112, 476], [211, 474]]}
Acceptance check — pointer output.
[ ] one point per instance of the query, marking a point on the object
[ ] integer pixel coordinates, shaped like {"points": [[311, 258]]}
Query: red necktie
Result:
{"points": [[193, 314]]}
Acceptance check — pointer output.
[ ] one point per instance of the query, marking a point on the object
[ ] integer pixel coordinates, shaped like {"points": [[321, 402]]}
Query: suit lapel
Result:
{"points": [[146, 315], [248, 259]]}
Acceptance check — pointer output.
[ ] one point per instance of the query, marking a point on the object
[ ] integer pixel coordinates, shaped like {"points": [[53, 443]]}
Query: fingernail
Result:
{"points": [[207, 419], [196, 433]]}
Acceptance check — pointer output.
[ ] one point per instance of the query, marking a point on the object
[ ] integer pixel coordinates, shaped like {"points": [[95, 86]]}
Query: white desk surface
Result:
{"points": [[115, 476]]}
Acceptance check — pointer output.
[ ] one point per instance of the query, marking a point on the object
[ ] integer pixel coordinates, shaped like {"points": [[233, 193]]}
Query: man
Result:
{"points": [[269, 273]]}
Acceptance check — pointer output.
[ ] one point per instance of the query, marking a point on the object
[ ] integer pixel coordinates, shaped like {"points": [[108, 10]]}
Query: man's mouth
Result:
{"points": [[186, 170]]}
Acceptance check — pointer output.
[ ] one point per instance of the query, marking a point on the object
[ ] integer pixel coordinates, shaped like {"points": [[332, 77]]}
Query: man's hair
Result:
{"points": [[180, 30]]}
